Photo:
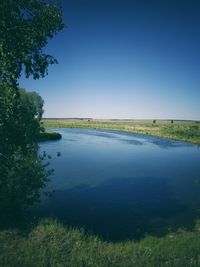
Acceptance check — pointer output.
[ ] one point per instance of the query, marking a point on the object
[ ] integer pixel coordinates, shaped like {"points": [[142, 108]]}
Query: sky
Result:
{"points": [[136, 59]]}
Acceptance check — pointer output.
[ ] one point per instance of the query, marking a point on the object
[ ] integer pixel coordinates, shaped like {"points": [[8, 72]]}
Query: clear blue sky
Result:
{"points": [[124, 59]]}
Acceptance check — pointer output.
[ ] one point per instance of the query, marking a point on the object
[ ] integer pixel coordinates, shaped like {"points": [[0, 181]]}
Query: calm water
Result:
{"points": [[122, 186]]}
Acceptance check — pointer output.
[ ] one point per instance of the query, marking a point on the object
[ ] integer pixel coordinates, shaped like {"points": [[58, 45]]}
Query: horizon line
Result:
{"points": [[133, 119]]}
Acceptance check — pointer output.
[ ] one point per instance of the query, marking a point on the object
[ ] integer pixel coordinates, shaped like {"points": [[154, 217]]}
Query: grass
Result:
{"points": [[51, 244], [188, 131]]}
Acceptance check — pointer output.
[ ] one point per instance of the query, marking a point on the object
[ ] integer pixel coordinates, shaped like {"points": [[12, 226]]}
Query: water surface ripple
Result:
{"points": [[121, 185]]}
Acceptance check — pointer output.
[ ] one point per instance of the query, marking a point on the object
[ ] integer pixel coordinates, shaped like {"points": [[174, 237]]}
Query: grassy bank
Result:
{"points": [[188, 131], [48, 136], [52, 244]]}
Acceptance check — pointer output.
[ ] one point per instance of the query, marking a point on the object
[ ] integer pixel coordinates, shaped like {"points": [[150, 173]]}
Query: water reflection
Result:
{"points": [[122, 186]]}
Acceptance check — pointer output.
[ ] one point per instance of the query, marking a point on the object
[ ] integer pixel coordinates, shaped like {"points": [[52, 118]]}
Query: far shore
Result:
{"points": [[187, 131]]}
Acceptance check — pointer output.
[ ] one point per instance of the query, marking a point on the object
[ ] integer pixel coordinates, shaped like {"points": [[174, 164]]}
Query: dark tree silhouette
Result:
{"points": [[25, 28]]}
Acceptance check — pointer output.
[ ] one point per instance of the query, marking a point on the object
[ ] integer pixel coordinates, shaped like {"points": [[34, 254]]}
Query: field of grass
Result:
{"points": [[188, 131], [51, 244]]}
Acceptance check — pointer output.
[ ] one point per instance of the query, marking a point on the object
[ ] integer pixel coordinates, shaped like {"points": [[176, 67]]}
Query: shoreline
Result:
{"points": [[180, 131], [48, 136]]}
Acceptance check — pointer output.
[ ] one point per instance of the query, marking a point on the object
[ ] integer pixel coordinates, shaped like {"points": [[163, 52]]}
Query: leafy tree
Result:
{"points": [[22, 172], [25, 28], [19, 118]]}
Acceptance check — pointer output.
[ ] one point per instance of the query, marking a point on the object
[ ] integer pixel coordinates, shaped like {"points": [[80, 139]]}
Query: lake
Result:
{"points": [[122, 186]]}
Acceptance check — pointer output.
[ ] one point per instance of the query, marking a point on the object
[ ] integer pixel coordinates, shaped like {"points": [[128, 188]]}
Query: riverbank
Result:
{"points": [[51, 244], [187, 131], [48, 136]]}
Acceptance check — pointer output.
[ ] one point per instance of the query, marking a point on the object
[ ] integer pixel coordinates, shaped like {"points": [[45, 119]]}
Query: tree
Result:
{"points": [[25, 28], [19, 118], [22, 171]]}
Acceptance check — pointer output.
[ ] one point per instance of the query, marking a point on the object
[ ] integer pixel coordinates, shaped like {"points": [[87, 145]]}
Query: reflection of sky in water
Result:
{"points": [[122, 185]]}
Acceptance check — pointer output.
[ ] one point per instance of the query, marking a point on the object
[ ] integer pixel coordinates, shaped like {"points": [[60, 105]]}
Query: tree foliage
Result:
{"points": [[25, 28], [20, 116], [23, 173]]}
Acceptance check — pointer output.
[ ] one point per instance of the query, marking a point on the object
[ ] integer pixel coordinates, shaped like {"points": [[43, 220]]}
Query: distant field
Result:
{"points": [[188, 131]]}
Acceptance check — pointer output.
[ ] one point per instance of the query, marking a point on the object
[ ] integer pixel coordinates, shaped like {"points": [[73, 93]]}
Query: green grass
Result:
{"points": [[52, 244], [48, 136], [188, 131]]}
